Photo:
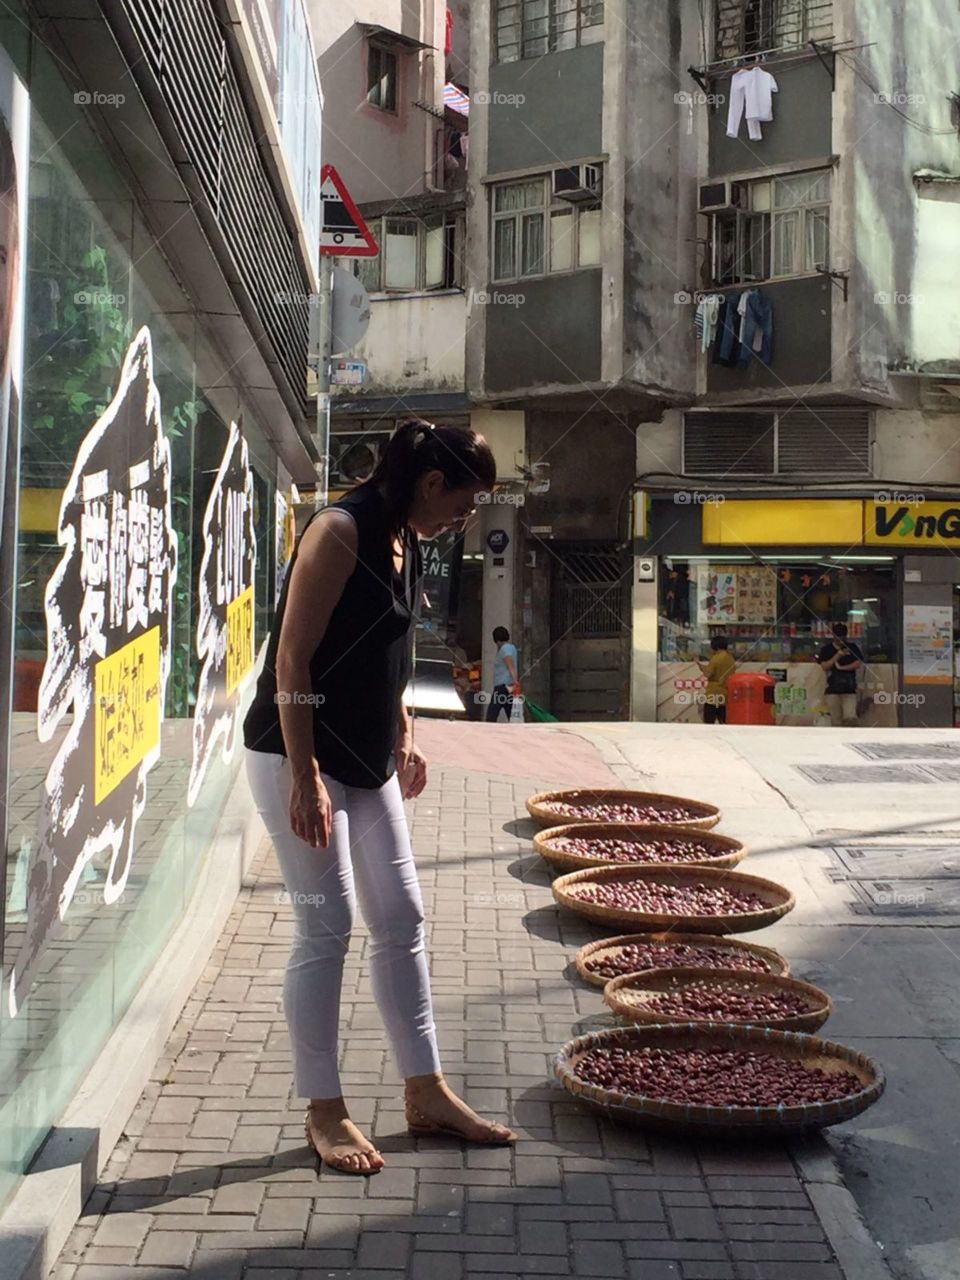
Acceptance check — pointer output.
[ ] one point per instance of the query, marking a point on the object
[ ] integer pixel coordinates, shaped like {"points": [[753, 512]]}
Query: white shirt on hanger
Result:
{"points": [[751, 94]]}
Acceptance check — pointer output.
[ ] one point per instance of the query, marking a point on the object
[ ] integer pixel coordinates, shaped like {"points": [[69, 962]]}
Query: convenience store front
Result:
{"points": [[773, 575]]}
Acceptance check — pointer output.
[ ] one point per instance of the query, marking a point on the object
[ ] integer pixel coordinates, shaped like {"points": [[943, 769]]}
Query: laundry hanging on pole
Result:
{"points": [[751, 95]]}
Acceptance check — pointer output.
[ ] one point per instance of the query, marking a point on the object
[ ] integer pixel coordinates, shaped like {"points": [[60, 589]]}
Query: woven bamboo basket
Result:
{"points": [[773, 960], [697, 1118], [702, 815], [627, 996], [723, 851], [779, 899]]}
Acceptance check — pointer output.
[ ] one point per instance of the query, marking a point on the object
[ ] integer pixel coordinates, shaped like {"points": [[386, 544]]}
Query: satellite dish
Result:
{"points": [[351, 311]]}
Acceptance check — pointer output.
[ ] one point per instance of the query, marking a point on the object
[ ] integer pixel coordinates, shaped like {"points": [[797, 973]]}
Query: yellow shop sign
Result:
{"points": [[799, 522], [913, 524]]}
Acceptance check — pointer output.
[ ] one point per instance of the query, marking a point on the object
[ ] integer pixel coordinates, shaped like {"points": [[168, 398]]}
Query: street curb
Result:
{"points": [[49, 1199], [857, 1252]]}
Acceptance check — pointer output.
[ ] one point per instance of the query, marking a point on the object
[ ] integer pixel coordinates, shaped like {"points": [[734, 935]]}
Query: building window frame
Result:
{"points": [[745, 27], [527, 239], [437, 260], [525, 29], [777, 229], [383, 78]]}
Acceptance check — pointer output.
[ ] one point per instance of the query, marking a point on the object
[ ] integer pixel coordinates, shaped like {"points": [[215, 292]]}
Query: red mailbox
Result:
{"points": [[750, 698]]}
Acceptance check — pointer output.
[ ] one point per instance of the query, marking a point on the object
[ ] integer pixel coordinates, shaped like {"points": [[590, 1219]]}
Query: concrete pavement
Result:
{"points": [[213, 1178]]}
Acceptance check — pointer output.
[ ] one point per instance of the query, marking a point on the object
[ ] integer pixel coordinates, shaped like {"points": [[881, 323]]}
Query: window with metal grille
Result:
{"points": [[532, 28], [825, 440], [769, 26]]}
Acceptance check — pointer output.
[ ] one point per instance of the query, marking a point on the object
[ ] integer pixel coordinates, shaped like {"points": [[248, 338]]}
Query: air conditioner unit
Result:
{"points": [[579, 183], [354, 454], [719, 197]]}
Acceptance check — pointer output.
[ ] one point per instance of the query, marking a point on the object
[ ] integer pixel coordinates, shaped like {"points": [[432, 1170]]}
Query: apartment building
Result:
{"points": [[800, 158], [398, 84]]}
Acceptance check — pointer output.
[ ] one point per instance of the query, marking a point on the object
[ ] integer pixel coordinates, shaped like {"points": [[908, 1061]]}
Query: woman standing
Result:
{"points": [[330, 760]]}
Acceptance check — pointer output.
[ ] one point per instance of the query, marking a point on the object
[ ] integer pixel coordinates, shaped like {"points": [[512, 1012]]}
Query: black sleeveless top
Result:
{"points": [[362, 664]]}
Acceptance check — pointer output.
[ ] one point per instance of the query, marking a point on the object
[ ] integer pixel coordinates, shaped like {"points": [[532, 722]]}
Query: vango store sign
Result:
{"points": [[914, 524]]}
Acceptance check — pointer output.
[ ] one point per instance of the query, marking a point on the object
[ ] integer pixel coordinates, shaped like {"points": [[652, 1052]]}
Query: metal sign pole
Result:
{"points": [[321, 495]]}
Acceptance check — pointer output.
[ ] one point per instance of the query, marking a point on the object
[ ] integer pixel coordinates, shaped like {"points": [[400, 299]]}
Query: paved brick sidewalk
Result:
{"points": [[213, 1177]]}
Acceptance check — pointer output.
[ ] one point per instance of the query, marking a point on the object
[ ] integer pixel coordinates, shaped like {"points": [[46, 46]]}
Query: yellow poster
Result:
{"points": [[127, 710], [239, 638]]}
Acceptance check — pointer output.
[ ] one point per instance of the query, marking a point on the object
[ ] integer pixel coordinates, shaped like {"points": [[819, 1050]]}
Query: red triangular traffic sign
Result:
{"points": [[343, 232]]}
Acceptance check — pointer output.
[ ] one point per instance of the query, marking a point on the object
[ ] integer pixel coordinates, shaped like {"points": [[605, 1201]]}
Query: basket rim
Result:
{"points": [[677, 935], [730, 851], [780, 899], [819, 1003], [729, 1035], [544, 797]]}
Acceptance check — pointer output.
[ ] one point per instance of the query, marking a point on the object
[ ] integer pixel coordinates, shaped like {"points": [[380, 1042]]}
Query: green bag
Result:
{"points": [[538, 713]]}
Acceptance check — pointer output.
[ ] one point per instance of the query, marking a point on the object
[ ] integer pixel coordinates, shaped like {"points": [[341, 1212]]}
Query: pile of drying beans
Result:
{"points": [[598, 811], [655, 898], [614, 849], [714, 1077], [635, 957], [708, 1000]]}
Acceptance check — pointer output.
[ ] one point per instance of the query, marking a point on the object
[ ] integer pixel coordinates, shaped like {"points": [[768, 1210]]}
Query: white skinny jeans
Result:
{"points": [[369, 856]]}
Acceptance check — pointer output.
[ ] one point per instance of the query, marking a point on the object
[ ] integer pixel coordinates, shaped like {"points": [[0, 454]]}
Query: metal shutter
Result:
{"points": [[186, 51], [728, 444], [829, 440]]}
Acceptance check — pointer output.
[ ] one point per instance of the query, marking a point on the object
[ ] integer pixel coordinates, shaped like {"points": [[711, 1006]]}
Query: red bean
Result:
{"points": [[613, 849], [714, 1077], [657, 898], [598, 811], [713, 1000], [634, 957]]}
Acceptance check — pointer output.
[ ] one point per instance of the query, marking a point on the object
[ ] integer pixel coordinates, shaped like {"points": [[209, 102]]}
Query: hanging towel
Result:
{"points": [[705, 320], [751, 95]]}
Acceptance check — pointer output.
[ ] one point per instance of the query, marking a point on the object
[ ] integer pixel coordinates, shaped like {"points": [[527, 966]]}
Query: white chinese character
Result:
{"points": [[118, 561], [94, 540], [158, 560], [92, 614]]}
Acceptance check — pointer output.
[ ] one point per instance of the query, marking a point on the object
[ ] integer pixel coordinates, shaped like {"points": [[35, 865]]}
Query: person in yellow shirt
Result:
{"points": [[718, 671]]}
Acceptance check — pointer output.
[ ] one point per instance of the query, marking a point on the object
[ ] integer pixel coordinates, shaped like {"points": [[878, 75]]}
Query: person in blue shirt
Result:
{"points": [[506, 682]]}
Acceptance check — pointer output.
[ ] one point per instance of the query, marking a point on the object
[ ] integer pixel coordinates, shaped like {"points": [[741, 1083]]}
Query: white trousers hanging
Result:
{"points": [[369, 857]]}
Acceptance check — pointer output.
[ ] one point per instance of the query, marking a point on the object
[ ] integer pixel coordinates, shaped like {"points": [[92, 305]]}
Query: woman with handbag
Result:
{"points": [[330, 758]]}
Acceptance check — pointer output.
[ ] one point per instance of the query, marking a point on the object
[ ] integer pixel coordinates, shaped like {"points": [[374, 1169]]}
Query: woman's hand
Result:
{"points": [[411, 766], [311, 812]]}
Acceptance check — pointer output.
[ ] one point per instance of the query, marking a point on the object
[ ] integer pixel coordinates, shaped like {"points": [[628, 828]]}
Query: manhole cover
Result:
{"points": [[864, 774], [907, 897], [907, 750], [897, 862]]}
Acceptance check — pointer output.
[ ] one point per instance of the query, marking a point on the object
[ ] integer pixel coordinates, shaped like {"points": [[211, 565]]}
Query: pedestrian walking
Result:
{"points": [[506, 682], [841, 659], [330, 758], [718, 671]]}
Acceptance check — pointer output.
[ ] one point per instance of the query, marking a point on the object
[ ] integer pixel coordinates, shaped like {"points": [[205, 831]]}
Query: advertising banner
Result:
{"points": [[927, 644], [225, 631], [108, 606]]}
